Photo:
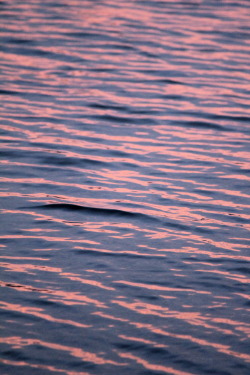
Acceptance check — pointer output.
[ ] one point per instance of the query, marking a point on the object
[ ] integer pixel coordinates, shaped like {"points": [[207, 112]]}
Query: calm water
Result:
{"points": [[125, 187]]}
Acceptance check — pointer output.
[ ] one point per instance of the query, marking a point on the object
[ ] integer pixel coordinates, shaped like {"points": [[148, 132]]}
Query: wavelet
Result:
{"points": [[124, 187]]}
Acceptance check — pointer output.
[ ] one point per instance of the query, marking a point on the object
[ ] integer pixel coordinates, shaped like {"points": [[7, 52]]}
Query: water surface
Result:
{"points": [[125, 187]]}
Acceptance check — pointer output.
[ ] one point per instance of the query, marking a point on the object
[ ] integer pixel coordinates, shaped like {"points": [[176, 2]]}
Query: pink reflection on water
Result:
{"points": [[193, 318], [228, 275], [215, 255], [53, 239], [39, 366], [60, 296], [218, 347], [153, 367], [144, 341], [114, 252], [26, 267], [22, 258], [158, 287], [18, 342], [38, 312], [211, 78], [86, 281]]}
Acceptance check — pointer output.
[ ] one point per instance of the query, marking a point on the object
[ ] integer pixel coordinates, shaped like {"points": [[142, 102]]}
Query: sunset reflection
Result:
{"points": [[125, 187]]}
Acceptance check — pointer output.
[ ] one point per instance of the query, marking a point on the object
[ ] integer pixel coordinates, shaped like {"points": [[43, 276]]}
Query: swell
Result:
{"points": [[87, 210]]}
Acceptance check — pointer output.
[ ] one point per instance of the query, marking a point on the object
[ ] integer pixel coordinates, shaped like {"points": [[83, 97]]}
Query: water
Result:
{"points": [[125, 187]]}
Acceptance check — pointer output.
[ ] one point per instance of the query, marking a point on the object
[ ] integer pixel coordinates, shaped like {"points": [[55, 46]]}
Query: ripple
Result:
{"points": [[87, 210], [124, 187]]}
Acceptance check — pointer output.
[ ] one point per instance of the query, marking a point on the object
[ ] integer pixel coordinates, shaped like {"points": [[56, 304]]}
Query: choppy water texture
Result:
{"points": [[125, 187]]}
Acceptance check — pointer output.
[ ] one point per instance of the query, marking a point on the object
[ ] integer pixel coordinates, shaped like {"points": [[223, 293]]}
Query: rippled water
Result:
{"points": [[125, 187]]}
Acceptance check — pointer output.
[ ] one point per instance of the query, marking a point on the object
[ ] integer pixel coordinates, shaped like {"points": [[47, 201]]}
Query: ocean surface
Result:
{"points": [[125, 186]]}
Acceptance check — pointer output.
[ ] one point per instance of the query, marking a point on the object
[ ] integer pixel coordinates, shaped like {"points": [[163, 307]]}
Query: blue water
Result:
{"points": [[125, 133]]}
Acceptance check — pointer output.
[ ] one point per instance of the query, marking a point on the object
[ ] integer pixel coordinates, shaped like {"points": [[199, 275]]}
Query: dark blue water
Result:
{"points": [[125, 145]]}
